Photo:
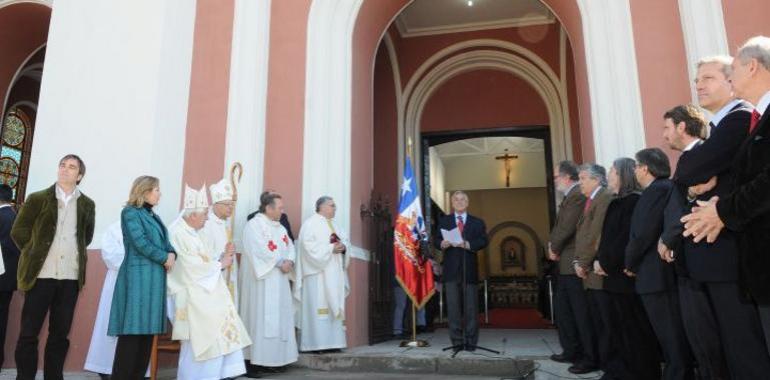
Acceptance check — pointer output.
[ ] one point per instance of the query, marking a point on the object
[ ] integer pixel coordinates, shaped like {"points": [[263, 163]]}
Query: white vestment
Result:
{"points": [[267, 307], [215, 235], [101, 352], [202, 311], [322, 286]]}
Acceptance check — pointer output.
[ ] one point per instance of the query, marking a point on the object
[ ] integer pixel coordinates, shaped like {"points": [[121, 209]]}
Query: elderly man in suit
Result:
{"points": [[571, 308], [593, 179], [655, 279], [459, 285], [745, 208]]}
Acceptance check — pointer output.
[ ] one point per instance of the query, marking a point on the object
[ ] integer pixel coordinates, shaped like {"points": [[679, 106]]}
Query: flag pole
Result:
{"points": [[414, 342]]}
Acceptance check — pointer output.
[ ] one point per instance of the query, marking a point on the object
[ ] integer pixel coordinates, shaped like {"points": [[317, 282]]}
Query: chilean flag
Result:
{"points": [[413, 271]]}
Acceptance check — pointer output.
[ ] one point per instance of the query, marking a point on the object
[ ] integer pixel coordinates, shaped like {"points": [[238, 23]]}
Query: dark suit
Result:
{"points": [[637, 356], [655, 280], [571, 307], [746, 210], [475, 233], [11, 261], [711, 304]]}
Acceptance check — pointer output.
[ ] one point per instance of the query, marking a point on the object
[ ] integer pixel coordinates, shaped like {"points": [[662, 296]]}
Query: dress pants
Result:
{"points": [[5, 302], [764, 316], [455, 307], [741, 332], [702, 330], [608, 341], [636, 341], [400, 302], [576, 331], [59, 298], [132, 355], [663, 310]]}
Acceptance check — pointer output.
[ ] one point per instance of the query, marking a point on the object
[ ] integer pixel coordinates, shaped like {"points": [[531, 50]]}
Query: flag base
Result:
{"points": [[414, 343]]}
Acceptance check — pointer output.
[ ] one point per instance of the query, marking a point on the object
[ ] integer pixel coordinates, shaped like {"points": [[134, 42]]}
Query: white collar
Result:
{"points": [[717, 118], [463, 215], [5, 205], [213, 217], [60, 194], [764, 101], [274, 223], [596, 190], [691, 145]]}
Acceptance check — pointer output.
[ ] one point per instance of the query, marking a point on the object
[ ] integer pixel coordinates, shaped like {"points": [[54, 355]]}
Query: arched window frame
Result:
{"points": [[25, 148]]}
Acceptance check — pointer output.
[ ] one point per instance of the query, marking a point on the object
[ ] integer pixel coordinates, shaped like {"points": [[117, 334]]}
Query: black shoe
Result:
{"points": [[581, 369], [421, 329], [104, 376], [562, 358], [253, 375], [269, 369]]}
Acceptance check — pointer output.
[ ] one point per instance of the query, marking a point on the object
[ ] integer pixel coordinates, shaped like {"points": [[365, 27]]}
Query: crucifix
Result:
{"points": [[507, 158]]}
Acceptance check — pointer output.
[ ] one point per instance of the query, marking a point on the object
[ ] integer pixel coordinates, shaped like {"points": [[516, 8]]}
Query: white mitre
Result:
{"points": [[195, 199], [221, 191]]}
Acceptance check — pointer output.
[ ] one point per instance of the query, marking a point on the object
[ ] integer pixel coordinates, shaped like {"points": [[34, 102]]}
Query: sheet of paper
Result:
{"points": [[452, 236]]}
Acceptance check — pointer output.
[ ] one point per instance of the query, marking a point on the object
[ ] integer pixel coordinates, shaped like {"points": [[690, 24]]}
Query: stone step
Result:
{"points": [[469, 364]]}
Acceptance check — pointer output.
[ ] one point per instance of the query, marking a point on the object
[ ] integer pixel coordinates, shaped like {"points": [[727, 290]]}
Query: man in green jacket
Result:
{"points": [[53, 229]]}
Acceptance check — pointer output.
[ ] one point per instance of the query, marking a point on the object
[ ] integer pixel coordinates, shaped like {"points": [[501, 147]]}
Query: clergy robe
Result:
{"points": [[322, 286], [267, 308], [215, 235], [101, 352], [203, 315]]}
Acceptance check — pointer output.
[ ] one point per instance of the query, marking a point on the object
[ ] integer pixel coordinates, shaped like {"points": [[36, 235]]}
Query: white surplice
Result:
{"points": [[215, 235], [203, 315], [267, 307], [322, 286], [101, 352]]}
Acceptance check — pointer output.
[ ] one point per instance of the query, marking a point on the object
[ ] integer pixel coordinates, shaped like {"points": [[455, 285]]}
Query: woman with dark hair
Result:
{"points": [[634, 352]]}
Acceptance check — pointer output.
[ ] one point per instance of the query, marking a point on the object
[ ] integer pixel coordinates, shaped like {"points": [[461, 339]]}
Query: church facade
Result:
{"points": [[322, 97]]}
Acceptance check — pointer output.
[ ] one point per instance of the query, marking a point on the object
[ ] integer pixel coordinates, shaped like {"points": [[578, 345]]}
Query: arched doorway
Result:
{"points": [[343, 40], [482, 83], [23, 37]]}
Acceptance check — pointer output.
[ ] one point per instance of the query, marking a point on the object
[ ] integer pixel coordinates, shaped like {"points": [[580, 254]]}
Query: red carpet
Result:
{"points": [[515, 319]]}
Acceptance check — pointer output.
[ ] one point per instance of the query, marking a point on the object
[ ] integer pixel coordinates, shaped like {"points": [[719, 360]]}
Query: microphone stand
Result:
{"points": [[465, 346]]}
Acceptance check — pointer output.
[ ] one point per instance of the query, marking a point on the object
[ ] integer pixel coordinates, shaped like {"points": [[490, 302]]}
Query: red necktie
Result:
{"points": [[754, 120], [460, 224], [588, 204]]}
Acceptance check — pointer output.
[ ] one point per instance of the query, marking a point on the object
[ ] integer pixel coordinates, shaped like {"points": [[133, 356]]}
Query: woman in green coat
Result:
{"points": [[139, 302]]}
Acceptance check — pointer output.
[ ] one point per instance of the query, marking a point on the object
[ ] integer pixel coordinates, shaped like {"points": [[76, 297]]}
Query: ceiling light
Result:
{"points": [[470, 3]]}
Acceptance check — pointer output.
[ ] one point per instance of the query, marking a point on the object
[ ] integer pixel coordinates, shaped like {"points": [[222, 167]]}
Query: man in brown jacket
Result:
{"points": [[589, 230], [571, 308], [53, 229]]}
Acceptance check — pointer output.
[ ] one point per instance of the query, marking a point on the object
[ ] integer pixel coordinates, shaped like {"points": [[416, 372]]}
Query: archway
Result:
{"points": [[513, 50], [23, 36], [343, 37]]}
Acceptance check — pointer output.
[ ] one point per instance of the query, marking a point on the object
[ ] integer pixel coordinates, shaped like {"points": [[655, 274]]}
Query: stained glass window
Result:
{"points": [[15, 145]]}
